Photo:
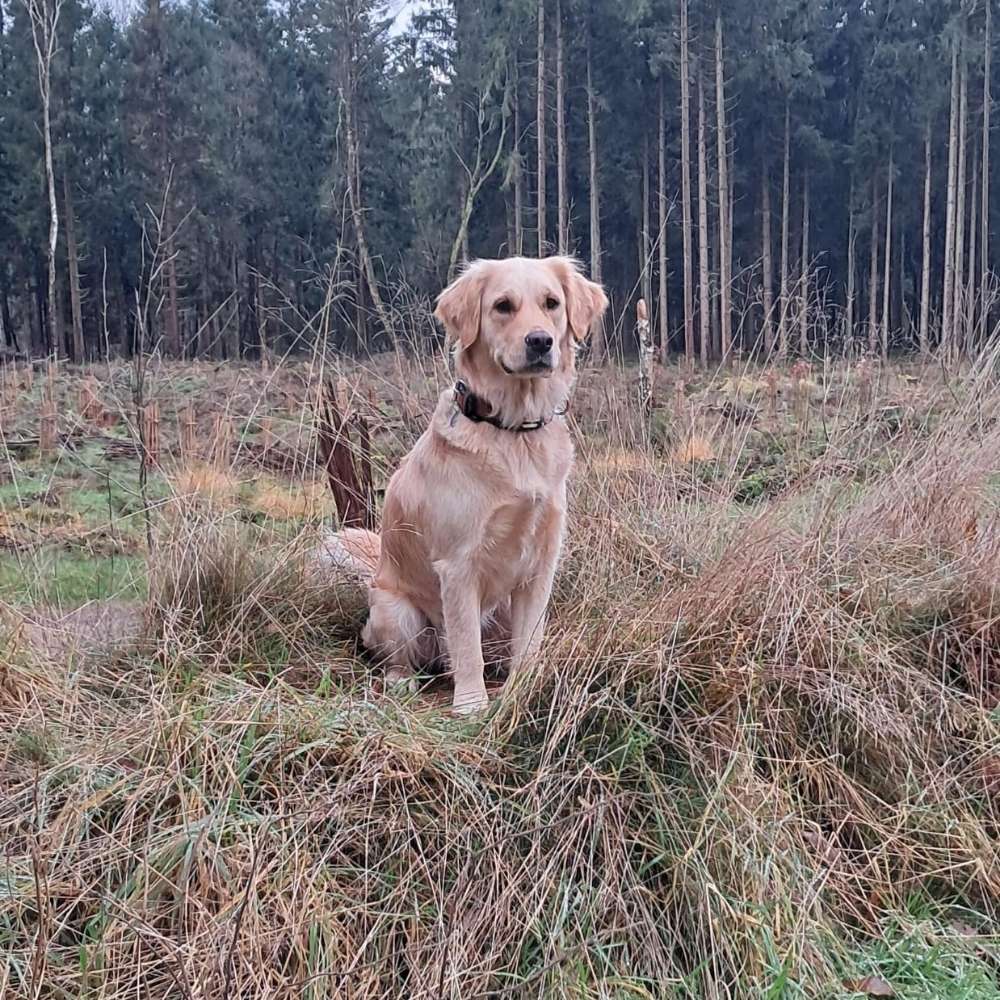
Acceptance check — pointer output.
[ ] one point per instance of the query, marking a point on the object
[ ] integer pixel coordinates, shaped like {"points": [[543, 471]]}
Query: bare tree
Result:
{"points": [[562, 192], [725, 242], [686, 183], [783, 306], [661, 160], [984, 211], [478, 172], [767, 266], [540, 129], [704, 316], [925, 274], [599, 346], [949, 238], [887, 280], [44, 16]]}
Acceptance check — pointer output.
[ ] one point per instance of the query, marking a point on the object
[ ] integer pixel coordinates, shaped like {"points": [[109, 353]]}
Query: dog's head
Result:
{"points": [[521, 318]]}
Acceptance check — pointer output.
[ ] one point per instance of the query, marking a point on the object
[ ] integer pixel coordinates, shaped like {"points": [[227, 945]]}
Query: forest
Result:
{"points": [[222, 178]]}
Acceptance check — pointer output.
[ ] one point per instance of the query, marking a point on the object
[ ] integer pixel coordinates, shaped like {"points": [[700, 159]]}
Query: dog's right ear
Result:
{"points": [[460, 305]]}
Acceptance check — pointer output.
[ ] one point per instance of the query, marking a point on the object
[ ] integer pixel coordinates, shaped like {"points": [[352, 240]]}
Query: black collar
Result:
{"points": [[479, 411]]}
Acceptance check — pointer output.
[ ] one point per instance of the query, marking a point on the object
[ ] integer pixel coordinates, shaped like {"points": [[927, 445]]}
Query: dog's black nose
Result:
{"points": [[538, 342]]}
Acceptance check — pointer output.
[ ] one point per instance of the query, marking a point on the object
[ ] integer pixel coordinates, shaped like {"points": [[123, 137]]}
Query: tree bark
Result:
{"points": [[972, 277], [74, 269], [725, 243], [44, 16], [873, 276], [518, 246], [960, 322], [562, 194], [925, 271], [704, 317], [661, 160], [804, 278], [852, 240], [540, 130], [984, 211], [646, 272], [767, 277], [949, 238], [887, 279], [348, 96], [599, 349], [783, 306], [686, 183]]}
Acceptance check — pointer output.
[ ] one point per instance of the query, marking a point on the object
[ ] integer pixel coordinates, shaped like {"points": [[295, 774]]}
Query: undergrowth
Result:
{"points": [[760, 756]]}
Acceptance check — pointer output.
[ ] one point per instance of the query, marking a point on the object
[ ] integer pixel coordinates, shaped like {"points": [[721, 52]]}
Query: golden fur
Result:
{"points": [[474, 516]]}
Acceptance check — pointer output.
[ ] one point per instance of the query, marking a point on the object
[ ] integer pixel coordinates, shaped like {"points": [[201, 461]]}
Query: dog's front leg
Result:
{"points": [[528, 604], [529, 601], [461, 608]]}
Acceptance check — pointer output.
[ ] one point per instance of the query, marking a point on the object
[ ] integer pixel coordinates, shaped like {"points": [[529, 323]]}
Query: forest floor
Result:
{"points": [[760, 758]]}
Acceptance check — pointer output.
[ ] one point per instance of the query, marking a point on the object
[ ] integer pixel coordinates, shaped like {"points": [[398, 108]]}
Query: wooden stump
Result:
{"points": [[188, 435], [29, 377], [772, 393], [222, 441], [149, 423], [89, 404], [51, 374], [646, 354], [48, 427], [800, 373]]}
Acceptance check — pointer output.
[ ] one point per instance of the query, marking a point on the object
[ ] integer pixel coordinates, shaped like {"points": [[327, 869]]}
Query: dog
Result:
{"points": [[474, 516]]}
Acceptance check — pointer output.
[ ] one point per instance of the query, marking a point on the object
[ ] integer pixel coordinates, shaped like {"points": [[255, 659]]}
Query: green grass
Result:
{"points": [[931, 960], [68, 579]]}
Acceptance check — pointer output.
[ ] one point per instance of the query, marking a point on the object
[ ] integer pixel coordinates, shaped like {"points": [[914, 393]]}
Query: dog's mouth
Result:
{"points": [[540, 367]]}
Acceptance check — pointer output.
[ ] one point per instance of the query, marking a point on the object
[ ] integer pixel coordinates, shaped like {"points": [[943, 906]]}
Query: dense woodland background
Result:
{"points": [[230, 176]]}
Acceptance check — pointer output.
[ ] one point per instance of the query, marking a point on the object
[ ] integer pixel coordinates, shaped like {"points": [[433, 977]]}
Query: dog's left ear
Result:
{"points": [[460, 305], [585, 299]]}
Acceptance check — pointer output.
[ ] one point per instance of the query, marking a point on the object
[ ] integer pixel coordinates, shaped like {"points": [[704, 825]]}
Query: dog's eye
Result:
{"points": [[551, 303], [504, 306]]}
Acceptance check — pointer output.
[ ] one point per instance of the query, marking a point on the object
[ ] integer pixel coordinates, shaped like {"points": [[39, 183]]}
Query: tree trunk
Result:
{"points": [[540, 129], [852, 240], [887, 280], [74, 269], [518, 246], [646, 272], [561, 155], [725, 252], [972, 277], [357, 212], [804, 279], [984, 210], [600, 347], [960, 322], [767, 277], [44, 15], [704, 318], [949, 238], [686, 184], [925, 272], [172, 335], [873, 276], [661, 160], [783, 306]]}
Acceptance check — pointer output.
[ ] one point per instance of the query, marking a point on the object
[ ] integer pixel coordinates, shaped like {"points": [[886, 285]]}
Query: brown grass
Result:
{"points": [[759, 730]]}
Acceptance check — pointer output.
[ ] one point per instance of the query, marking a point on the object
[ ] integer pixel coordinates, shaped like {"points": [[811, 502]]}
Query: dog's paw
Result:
{"points": [[401, 681], [470, 702]]}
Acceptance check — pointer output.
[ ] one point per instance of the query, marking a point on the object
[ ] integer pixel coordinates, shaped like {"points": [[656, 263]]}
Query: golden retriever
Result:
{"points": [[474, 516]]}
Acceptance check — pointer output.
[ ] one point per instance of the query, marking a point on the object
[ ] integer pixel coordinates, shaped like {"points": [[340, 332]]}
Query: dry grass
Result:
{"points": [[760, 731]]}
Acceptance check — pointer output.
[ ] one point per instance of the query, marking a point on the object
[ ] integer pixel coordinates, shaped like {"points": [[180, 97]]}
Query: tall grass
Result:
{"points": [[761, 731]]}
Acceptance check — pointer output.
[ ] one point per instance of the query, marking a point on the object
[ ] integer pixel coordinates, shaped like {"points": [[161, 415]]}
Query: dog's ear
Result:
{"points": [[585, 299], [460, 305]]}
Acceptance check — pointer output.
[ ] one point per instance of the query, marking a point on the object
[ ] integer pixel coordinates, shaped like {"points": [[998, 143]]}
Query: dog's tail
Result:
{"points": [[356, 550]]}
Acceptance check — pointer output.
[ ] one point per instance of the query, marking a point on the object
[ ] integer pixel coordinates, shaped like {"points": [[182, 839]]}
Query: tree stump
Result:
{"points": [[188, 435], [48, 428], [222, 441], [149, 427]]}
